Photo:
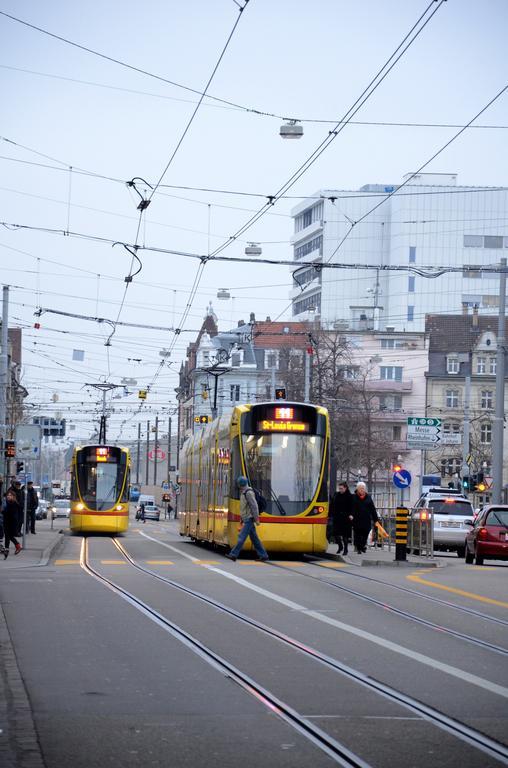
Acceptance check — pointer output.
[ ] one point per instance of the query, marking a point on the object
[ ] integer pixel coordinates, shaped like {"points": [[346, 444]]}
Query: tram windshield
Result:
{"points": [[285, 469], [100, 478]]}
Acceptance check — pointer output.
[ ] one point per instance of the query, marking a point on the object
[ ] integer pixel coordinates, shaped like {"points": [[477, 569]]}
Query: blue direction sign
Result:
{"points": [[402, 478]]}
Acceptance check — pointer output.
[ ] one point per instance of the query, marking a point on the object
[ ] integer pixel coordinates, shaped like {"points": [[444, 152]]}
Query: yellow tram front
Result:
{"points": [[100, 489], [284, 454]]}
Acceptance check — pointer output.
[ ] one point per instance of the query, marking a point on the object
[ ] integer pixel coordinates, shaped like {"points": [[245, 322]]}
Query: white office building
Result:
{"points": [[431, 222]]}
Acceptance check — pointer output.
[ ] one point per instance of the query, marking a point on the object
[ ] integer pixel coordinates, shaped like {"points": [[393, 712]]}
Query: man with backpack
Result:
{"points": [[249, 513]]}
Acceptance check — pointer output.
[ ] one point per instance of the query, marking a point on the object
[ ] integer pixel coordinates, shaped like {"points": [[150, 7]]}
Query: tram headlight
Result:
{"points": [[119, 507], [80, 507]]}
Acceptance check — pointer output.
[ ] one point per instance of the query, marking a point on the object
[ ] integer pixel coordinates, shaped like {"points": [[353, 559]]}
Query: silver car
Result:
{"points": [[448, 514], [60, 508]]}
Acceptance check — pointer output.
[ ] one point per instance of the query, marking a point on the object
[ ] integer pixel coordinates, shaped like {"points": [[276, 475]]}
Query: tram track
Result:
{"points": [[399, 612], [313, 559], [458, 729]]}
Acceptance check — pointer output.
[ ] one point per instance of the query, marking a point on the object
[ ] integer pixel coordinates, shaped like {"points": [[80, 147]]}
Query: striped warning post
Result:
{"points": [[401, 515]]}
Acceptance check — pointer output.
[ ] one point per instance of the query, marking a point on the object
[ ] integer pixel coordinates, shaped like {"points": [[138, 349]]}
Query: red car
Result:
{"points": [[488, 537]]}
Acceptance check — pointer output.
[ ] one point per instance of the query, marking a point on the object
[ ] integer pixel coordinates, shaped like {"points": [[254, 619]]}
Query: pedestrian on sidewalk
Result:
{"points": [[249, 513], [364, 517], [20, 498], [342, 516], [10, 512], [3, 550], [32, 502]]}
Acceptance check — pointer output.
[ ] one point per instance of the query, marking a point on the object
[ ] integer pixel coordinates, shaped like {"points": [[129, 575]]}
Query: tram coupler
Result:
{"points": [[401, 515]]}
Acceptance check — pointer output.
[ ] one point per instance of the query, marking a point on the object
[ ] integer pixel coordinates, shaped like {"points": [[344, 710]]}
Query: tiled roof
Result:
{"points": [[458, 332], [271, 335]]}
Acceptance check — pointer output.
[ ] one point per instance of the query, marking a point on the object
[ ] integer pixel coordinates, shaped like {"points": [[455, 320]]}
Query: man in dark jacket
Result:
{"points": [[10, 512], [364, 517], [32, 502], [342, 517]]}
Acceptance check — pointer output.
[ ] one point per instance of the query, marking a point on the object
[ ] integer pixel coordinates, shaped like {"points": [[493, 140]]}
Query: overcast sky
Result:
{"points": [[285, 57]]}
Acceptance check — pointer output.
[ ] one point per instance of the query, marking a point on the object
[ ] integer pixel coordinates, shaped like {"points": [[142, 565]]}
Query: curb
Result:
{"points": [[51, 549], [402, 564]]}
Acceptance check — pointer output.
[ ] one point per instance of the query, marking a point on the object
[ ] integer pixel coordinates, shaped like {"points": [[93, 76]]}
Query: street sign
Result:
{"points": [[402, 478], [157, 455], [423, 433], [451, 438], [142, 394], [165, 486], [28, 442]]}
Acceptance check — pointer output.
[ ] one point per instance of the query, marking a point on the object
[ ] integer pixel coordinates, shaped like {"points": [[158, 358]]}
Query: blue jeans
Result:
{"points": [[249, 529]]}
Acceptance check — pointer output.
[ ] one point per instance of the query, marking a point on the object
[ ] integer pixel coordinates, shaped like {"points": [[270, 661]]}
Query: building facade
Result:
{"points": [[431, 222], [461, 387]]}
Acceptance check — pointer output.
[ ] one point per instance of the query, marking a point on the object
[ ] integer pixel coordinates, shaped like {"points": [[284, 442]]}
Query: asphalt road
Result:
{"points": [[111, 685]]}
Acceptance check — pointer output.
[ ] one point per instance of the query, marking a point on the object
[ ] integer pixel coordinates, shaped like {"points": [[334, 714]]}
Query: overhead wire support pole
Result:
{"points": [[104, 387], [498, 421], [4, 375]]}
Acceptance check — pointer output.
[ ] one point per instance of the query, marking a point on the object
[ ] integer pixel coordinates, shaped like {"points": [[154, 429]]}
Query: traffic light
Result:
{"points": [[201, 419], [280, 393], [397, 467], [9, 449], [466, 483], [480, 484], [20, 467]]}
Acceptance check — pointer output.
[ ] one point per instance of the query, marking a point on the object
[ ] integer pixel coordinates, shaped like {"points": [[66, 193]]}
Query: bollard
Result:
{"points": [[401, 515]]}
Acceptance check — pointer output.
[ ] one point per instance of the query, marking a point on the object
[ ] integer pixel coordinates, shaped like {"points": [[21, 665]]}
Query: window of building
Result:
{"points": [[493, 241], [236, 359], [451, 428], [473, 241], [486, 399], [315, 244], [412, 254], [234, 390], [452, 364], [481, 365], [309, 216], [391, 372], [387, 343], [308, 303], [349, 371], [206, 358], [486, 433], [410, 313], [390, 403], [411, 284], [492, 366], [452, 398], [271, 360], [450, 467], [396, 432]]}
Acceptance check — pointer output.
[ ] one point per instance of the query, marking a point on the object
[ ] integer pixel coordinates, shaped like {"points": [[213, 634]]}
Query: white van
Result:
{"points": [[145, 499]]}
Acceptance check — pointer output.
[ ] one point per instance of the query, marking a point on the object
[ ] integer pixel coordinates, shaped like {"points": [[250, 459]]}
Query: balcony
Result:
{"points": [[384, 386]]}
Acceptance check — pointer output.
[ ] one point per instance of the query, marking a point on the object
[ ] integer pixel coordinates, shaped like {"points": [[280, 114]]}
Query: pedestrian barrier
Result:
{"points": [[421, 534]]}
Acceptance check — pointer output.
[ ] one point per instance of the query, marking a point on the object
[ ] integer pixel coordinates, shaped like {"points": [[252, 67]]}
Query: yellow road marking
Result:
{"points": [[66, 562], [160, 562], [289, 564], [455, 591], [333, 565], [113, 562], [249, 562], [207, 562]]}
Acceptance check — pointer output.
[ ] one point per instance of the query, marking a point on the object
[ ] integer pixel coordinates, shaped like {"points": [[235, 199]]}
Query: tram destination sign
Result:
{"points": [[423, 433]]}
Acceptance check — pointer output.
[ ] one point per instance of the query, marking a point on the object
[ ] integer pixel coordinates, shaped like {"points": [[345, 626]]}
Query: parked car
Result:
{"points": [[41, 512], [152, 512], [134, 494], [488, 535], [60, 508], [449, 513]]}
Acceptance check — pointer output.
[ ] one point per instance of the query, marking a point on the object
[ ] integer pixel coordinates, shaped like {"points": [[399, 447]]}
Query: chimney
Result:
{"points": [[252, 317], [240, 323], [475, 316], [465, 308], [268, 319]]}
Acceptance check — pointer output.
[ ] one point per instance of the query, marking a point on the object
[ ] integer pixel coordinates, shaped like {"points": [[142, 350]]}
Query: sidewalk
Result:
{"points": [[39, 548], [382, 556]]}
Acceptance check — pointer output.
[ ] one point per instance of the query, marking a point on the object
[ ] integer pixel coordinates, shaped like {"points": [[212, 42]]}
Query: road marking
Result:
{"points": [[160, 562], [288, 563], [66, 562], [333, 565], [428, 661], [207, 562], [113, 562], [455, 591]]}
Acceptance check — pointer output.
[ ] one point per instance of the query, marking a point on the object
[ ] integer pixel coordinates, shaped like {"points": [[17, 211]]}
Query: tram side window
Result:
{"points": [[236, 468]]}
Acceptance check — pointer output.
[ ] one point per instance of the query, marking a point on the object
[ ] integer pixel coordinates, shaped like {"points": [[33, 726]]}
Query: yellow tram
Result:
{"points": [[283, 450], [100, 489]]}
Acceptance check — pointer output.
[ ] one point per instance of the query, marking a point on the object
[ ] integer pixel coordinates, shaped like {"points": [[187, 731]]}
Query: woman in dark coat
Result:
{"points": [[364, 517], [11, 511], [342, 516]]}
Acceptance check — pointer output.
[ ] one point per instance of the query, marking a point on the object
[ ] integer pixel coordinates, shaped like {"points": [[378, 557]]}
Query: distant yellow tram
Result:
{"points": [[100, 489], [283, 450]]}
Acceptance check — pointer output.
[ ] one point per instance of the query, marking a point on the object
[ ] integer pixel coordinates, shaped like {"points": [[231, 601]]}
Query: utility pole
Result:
{"points": [[4, 381], [147, 449], [169, 450], [498, 422], [467, 403], [156, 448], [138, 453]]}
